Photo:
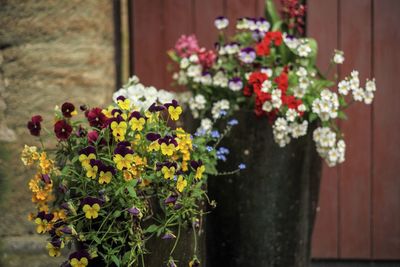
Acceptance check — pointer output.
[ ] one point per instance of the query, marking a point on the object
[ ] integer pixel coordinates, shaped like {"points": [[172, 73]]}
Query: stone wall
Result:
{"points": [[50, 51]]}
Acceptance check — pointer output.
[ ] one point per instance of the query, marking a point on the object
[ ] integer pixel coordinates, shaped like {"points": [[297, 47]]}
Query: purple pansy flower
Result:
{"points": [[221, 22], [247, 55], [235, 84]]}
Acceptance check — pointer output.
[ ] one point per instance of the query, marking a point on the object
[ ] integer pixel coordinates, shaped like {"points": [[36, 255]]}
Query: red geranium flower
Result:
{"points": [[276, 37], [256, 79], [96, 117], [62, 129], [68, 110], [283, 81], [263, 49], [34, 125], [247, 91]]}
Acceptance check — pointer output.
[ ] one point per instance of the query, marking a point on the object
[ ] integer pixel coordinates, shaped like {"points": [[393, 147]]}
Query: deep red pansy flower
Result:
{"points": [[96, 117], [68, 110], [34, 125], [62, 129], [93, 136]]}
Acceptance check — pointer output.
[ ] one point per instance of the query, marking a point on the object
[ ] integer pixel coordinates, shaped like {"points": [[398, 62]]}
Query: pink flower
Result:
{"points": [[186, 45], [207, 58], [93, 136]]}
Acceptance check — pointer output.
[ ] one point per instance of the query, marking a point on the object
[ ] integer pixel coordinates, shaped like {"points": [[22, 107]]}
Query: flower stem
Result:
{"points": [[177, 239]]}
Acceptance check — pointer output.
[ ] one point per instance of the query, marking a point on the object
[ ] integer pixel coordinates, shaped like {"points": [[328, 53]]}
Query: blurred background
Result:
{"points": [[81, 51]]}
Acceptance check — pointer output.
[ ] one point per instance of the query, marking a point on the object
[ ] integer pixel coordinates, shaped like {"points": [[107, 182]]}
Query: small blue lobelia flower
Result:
{"points": [[215, 134], [223, 113], [221, 157], [209, 148], [233, 122], [223, 151], [242, 166], [247, 55], [221, 22], [200, 132]]}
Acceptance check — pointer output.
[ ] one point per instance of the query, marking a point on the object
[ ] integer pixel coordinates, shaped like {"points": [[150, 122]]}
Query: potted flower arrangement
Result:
{"points": [[266, 76], [124, 186]]}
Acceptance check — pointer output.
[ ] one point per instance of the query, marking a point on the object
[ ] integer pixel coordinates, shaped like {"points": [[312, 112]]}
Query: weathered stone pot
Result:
{"points": [[265, 215]]}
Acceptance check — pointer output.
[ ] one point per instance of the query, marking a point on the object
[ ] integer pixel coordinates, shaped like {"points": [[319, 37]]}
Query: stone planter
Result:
{"points": [[265, 215]]}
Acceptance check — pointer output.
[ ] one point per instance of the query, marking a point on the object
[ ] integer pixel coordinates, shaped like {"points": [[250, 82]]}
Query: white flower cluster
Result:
{"points": [[284, 130], [352, 84], [299, 46], [338, 57], [189, 68], [229, 49], [300, 90], [196, 104], [218, 107], [142, 97], [328, 147], [260, 25], [205, 125], [220, 79], [326, 107]]}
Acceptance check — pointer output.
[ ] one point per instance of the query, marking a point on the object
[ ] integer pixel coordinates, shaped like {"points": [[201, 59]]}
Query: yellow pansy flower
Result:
{"points": [[54, 251], [154, 146], [83, 262], [124, 104], [167, 149], [29, 155], [119, 130], [127, 175], [85, 160], [108, 111], [137, 124], [174, 112], [105, 177], [91, 171], [199, 171], [44, 163], [91, 212], [123, 161], [185, 166], [168, 172], [41, 225], [181, 183]]}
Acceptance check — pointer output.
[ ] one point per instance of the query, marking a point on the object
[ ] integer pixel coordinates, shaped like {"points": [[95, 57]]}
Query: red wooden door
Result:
{"points": [[359, 214], [359, 211]]}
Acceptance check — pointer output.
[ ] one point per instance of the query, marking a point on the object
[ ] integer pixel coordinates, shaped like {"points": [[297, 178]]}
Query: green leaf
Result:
{"points": [[342, 115], [314, 50], [96, 239], [116, 214], [277, 26], [172, 55], [131, 191], [115, 260], [271, 12], [151, 229], [312, 117]]}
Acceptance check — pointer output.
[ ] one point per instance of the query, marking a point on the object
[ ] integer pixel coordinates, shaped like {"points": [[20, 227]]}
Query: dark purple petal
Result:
{"points": [[152, 136]]}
